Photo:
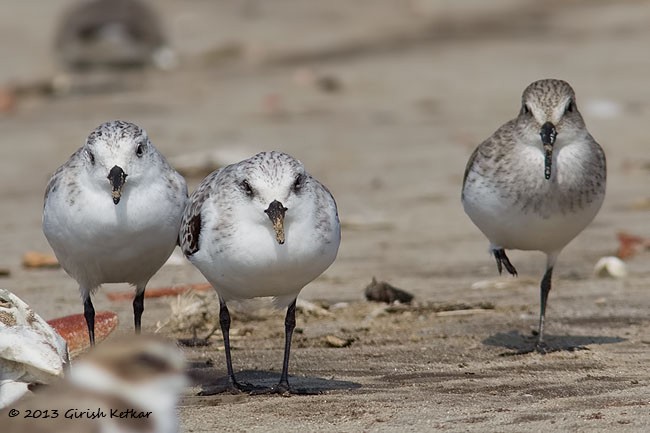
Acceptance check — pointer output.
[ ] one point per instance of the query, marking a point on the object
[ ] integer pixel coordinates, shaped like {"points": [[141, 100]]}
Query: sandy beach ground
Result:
{"points": [[383, 101]]}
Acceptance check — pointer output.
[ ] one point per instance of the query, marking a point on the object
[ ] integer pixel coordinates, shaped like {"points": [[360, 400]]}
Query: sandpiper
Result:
{"points": [[112, 213], [537, 182], [261, 227]]}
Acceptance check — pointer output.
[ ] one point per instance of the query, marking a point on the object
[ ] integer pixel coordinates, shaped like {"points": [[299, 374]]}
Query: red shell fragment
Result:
{"points": [[630, 245], [74, 331], [160, 292]]}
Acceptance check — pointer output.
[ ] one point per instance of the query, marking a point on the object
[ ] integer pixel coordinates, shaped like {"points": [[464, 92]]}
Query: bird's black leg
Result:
{"points": [[283, 387], [502, 260], [89, 314], [138, 308], [545, 288], [224, 321], [233, 386], [289, 325]]}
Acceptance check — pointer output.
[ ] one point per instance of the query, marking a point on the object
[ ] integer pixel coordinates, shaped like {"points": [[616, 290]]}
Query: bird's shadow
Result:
{"points": [[210, 379], [521, 344]]}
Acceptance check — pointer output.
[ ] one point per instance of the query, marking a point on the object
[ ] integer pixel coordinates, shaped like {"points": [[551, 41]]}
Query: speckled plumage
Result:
{"points": [[228, 231], [505, 189], [220, 195], [106, 233]]}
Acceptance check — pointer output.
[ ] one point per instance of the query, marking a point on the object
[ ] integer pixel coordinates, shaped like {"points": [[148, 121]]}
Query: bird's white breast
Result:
{"points": [[249, 262], [523, 210], [98, 242]]}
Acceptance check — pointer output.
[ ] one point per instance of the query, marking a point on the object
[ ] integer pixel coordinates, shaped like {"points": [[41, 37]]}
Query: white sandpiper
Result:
{"points": [[261, 227], [537, 182], [112, 213]]}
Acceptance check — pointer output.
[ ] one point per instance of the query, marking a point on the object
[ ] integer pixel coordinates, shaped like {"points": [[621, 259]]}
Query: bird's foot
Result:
{"points": [[284, 390], [542, 348], [503, 261], [193, 342], [232, 387]]}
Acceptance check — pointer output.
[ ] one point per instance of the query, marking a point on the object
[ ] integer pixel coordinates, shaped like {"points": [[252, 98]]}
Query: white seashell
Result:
{"points": [[30, 349], [10, 391], [610, 267]]}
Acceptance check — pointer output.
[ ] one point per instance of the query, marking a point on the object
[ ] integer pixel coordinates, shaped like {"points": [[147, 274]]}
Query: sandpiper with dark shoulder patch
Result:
{"points": [[537, 182], [112, 213], [261, 227]]}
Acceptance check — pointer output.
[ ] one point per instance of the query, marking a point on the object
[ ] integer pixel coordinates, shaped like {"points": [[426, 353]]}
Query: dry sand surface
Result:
{"points": [[421, 83]]}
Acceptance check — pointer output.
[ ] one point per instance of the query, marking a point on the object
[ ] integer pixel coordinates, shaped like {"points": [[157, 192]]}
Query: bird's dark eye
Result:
{"points": [[571, 107], [525, 109], [151, 362], [298, 183], [140, 150], [247, 188], [91, 157]]}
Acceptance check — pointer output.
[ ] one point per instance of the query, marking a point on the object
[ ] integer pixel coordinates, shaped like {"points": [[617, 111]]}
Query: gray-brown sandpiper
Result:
{"points": [[537, 182]]}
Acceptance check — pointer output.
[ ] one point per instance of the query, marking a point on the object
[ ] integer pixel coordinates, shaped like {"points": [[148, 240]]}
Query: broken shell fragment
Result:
{"points": [[610, 267]]}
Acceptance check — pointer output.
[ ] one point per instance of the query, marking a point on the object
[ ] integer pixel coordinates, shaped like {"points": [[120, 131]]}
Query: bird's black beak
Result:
{"points": [[117, 178], [548, 134], [276, 211]]}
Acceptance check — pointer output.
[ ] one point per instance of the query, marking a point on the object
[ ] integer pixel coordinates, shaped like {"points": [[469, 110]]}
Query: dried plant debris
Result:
{"points": [[337, 342], [191, 312], [312, 308], [381, 291], [441, 307], [197, 313], [197, 341]]}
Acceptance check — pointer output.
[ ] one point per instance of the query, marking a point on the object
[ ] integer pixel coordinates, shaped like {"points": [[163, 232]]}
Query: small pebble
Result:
{"points": [[381, 291]]}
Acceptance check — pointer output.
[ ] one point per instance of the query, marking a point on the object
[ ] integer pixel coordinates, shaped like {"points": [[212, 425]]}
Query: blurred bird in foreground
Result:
{"points": [[125, 385]]}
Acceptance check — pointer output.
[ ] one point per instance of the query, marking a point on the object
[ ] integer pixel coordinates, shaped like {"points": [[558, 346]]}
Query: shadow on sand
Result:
{"points": [[211, 379], [520, 344]]}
